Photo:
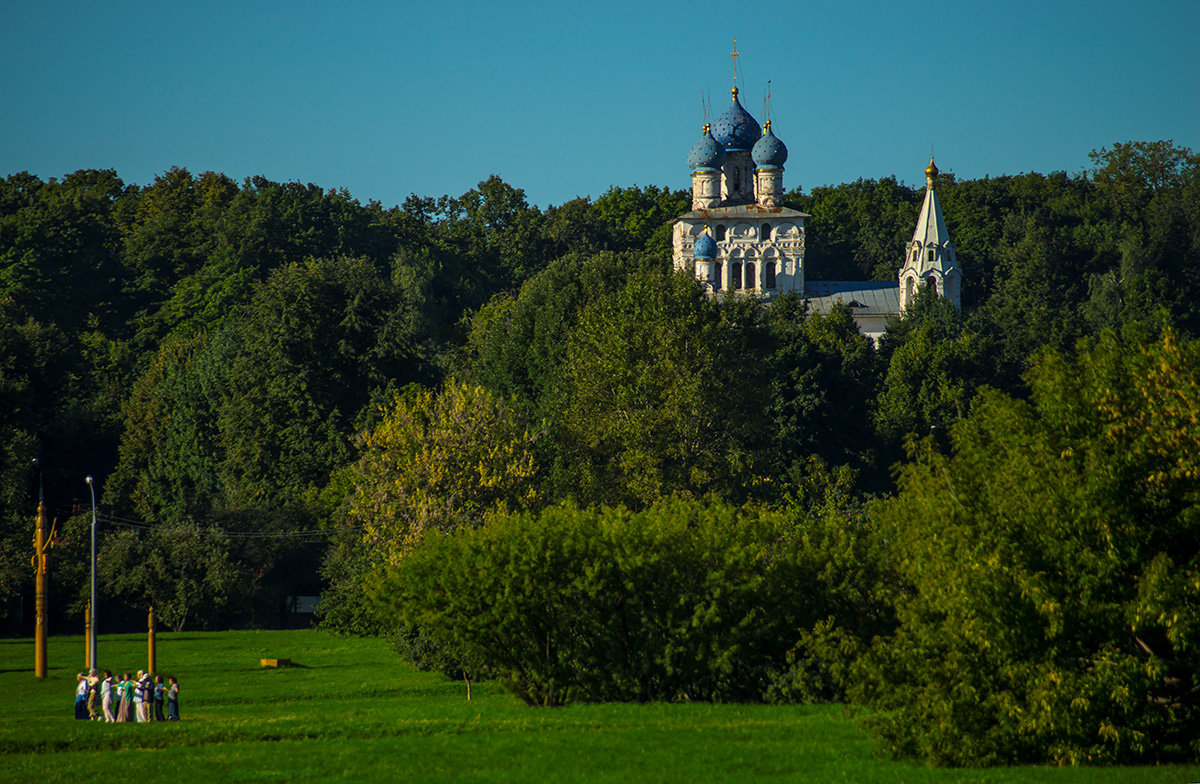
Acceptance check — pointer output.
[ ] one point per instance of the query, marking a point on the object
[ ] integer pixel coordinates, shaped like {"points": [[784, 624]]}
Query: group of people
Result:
{"points": [[127, 698]]}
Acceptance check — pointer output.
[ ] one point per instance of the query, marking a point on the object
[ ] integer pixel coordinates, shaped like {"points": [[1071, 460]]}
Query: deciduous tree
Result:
{"points": [[1053, 569]]}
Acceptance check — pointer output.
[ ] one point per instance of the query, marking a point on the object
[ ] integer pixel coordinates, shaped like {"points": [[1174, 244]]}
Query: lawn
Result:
{"points": [[353, 712]]}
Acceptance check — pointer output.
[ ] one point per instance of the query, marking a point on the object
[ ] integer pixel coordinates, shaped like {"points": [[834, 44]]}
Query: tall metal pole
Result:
{"points": [[88, 659], [92, 604]]}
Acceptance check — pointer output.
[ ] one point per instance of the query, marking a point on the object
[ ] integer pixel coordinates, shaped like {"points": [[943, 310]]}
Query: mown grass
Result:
{"points": [[354, 712]]}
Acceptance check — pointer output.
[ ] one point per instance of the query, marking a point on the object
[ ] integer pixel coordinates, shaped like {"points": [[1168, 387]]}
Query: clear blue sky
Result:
{"points": [[566, 99]]}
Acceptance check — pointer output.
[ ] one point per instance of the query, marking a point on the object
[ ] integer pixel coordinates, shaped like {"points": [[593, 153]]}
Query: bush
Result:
{"points": [[344, 608], [428, 653], [683, 601]]}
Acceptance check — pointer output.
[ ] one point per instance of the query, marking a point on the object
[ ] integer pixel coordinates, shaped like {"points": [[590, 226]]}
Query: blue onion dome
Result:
{"points": [[706, 153], [769, 152], [735, 128], [705, 247]]}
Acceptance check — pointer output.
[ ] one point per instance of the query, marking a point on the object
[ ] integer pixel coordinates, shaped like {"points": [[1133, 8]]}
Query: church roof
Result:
{"points": [[865, 298], [742, 212], [768, 151], [736, 128], [707, 153], [931, 226]]}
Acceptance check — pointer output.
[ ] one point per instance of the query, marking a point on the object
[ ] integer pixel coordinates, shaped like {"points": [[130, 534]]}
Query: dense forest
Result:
{"points": [[283, 391]]}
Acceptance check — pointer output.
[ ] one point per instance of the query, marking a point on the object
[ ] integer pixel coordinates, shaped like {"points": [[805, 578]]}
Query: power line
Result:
{"points": [[134, 524], [309, 533]]}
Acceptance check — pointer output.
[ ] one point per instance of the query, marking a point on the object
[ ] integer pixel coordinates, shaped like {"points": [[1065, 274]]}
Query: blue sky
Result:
{"points": [[566, 99]]}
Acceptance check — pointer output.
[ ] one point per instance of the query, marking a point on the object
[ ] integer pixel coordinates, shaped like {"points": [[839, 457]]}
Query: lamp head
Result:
{"points": [[89, 479]]}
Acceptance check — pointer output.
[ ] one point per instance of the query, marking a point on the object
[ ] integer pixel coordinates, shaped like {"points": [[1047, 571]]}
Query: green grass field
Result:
{"points": [[354, 712]]}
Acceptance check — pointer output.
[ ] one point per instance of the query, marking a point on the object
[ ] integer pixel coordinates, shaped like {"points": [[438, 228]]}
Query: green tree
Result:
{"points": [[822, 379], [574, 228], [317, 343], [639, 219], [659, 399], [498, 215], [434, 461], [169, 458], [934, 367], [857, 230], [60, 247], [44, 414], [1131, 174], [182, 570], [1152, 190], [1051, 564], [173, 230], [518, 345], [439, 461]]}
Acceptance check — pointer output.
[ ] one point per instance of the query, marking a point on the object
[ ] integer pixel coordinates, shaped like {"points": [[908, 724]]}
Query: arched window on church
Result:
{"points": [[770, 270], [735, 276], [717, 283], [720, 232], [751, 282], [764, 233], [932, 254], [932, 281], [910, 288]]}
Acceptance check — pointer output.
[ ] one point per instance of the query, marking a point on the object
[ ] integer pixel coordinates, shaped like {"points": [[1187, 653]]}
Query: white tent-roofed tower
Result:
{"points": [[929, 258]]}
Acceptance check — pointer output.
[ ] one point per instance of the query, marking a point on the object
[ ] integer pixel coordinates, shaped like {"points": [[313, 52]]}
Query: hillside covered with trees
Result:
{"points": [[511, 439]]}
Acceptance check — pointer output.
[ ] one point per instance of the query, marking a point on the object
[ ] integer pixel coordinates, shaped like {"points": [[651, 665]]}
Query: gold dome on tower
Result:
{"points": [[931, 171]]}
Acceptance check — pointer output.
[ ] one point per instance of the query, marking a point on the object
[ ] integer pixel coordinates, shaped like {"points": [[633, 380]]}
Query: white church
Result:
{"points": [[739, 238]]}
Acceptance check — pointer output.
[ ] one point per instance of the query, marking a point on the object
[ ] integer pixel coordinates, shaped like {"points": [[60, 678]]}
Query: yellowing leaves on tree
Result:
{"points": [[439, 460]]}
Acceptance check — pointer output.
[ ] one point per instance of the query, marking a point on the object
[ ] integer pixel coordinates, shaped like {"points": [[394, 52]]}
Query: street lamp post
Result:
{"points": [[92, 607]]}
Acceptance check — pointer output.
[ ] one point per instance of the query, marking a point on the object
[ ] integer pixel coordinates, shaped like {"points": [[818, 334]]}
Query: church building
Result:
{"points": [[739, 238]]}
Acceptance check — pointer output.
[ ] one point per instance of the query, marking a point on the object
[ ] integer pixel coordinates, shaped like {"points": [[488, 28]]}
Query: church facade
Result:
{"points": [[738, 238]]}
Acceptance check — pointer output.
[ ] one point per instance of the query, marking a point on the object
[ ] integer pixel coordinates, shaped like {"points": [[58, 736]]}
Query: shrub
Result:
{"points": [[683, 601]]}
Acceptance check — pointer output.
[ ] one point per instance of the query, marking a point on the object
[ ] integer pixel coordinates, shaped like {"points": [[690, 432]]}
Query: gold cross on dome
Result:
{"points": [[734, 54]]}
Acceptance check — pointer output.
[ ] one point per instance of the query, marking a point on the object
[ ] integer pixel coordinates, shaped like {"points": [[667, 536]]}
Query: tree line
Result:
{"points": [[475, 381]]}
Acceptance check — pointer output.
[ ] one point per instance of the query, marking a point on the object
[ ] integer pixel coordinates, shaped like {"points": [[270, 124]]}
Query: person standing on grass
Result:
{"points": [[81, 690], [93, 698], [106, 696], [119, 696], [125, 687], [147, 695], [139, 696], [159, 694], [173, 700]]}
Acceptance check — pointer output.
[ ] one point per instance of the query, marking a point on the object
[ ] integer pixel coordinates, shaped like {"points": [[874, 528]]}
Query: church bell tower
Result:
{"points": [[929, 258]]}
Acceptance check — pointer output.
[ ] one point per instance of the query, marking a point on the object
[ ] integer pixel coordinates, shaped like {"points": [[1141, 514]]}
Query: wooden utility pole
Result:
{"points": [[40, 545], [151, 665]]}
